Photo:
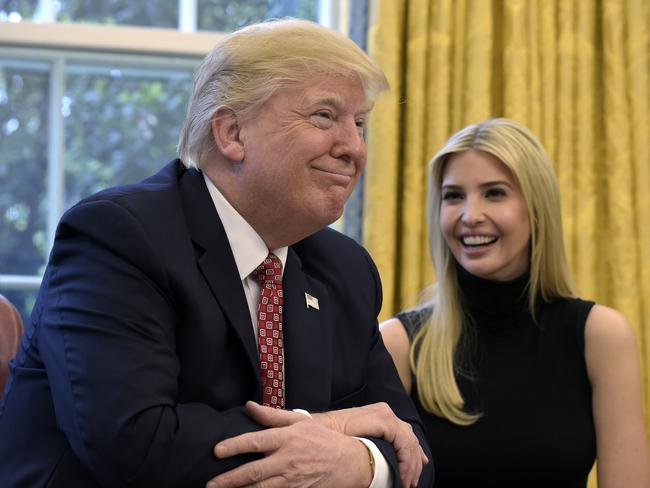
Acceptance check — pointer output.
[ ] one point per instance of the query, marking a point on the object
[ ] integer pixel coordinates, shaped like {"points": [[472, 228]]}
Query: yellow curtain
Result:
{"points": [[576, 72]]}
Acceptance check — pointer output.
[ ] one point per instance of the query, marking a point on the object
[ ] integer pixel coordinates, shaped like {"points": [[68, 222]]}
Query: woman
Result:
{"points": [[518, 381]]}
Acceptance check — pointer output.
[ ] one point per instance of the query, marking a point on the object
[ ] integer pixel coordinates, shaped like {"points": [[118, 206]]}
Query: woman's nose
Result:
{"points": [[472, 212]]}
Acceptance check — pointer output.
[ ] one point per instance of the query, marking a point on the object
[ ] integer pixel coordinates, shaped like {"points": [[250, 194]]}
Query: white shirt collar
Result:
{"points": [[247, 246]]}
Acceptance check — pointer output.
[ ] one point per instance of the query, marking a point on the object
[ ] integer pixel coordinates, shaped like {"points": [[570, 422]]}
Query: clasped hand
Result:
{"points": [[318, 451]]}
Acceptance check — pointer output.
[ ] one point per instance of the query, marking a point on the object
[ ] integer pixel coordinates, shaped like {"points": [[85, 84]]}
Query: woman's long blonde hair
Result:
{"points": [[434, 348]]}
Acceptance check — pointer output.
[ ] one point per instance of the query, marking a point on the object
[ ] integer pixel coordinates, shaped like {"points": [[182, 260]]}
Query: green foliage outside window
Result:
{"points": [[120, 126], [24, 8], [213, 15], [23, 168], [123, 12], [223, 15]]}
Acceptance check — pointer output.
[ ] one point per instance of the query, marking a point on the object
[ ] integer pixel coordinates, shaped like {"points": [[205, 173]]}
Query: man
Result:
{"points": [[156, 322]]}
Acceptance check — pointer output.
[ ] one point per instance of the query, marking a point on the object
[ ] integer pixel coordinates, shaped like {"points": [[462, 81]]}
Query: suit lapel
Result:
{"points": [[216, 261], [307, 331], [307, 339]]}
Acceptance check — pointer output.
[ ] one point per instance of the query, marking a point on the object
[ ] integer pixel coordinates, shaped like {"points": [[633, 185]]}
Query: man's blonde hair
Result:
{"points": [[248, 66]]}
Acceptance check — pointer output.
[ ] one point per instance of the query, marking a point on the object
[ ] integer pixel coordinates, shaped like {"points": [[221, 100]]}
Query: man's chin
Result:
{"points": [[330, 216]]}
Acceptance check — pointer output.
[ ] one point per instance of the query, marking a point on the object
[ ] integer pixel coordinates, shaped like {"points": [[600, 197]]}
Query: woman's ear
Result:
{"points": [[226, 133]]}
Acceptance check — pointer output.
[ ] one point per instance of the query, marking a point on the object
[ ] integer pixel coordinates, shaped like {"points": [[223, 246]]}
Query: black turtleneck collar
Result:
{"points": [[493, 303]]}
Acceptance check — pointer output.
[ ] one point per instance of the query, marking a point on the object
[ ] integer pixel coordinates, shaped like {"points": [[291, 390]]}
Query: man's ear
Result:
{"points": [[226, 134]]}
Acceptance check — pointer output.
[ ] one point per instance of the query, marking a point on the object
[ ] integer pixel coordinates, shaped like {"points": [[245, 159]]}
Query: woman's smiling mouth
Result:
{"points": [[475, 241]]}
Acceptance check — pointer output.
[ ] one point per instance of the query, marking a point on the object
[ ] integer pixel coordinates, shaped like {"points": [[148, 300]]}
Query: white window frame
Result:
{"points": [[59, 43]]}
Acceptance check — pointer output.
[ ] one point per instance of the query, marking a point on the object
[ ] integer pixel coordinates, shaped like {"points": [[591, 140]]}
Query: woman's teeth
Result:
{"points": [[477, 240]]}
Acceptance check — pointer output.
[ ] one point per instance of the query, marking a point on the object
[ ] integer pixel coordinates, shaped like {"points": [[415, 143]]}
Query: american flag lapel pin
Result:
{"points": [[312, 302]]}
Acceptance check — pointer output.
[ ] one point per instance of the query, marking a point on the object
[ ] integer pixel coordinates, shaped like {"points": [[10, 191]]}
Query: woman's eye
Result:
{"points": [[451, 195], [496, 193]]}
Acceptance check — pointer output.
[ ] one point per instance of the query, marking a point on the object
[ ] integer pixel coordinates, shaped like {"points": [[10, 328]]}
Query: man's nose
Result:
{"points": [[349, 143]]}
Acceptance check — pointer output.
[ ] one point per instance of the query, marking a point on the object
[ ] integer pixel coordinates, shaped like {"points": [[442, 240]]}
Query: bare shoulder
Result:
{"points": [[600, 314], [614, 371], [397, 342], [609, 340], [609, 329], [394, 334]]}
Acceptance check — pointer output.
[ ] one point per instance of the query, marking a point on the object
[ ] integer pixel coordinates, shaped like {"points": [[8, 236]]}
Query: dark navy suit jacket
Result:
{"points": [[140, 352]]}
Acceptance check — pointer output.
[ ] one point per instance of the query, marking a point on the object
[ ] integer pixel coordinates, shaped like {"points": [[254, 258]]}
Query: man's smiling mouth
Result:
{"points": [[334, 172], [339, 177]]}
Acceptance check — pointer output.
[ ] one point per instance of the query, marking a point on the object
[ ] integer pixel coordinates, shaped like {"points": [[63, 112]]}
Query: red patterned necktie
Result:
{"points": [[269, 331]]}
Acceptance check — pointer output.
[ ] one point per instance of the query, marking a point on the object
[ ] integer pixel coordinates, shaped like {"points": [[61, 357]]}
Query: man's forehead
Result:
{"points": [[339, 94]]}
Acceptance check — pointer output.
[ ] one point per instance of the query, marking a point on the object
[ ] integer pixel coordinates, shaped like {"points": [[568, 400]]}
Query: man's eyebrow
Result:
{"points": [[331, 99], [334, 100]]}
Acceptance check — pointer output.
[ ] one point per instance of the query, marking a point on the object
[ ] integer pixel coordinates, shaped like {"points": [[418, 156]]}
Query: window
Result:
{"points": [[212, 15], [92, 94]]}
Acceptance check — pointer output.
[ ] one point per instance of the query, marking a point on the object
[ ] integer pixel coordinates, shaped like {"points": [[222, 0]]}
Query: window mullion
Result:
{"points": [[55, 148], [45, 11], [187, 16], [20, 282], [334, 14]]}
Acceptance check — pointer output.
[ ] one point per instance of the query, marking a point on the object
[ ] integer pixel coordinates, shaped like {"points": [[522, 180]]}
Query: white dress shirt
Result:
{"points": [[249, 250]]}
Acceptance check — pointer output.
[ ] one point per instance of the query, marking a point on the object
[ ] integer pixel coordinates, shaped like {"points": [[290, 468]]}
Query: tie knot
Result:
{"points": [[270, 271]]}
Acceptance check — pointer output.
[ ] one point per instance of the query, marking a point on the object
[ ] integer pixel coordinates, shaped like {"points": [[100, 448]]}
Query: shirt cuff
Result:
{"points": [[383, 476], [300, 410]]}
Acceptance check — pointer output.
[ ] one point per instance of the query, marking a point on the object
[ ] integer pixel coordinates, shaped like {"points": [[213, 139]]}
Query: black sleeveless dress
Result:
{"points": [[529, 381]]}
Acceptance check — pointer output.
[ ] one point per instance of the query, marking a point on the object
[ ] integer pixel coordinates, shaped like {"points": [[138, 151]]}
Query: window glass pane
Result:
{"points": [[161, 13], [17, 10], [229, 15], [23, 300], [23, 166], [121, 125]]}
